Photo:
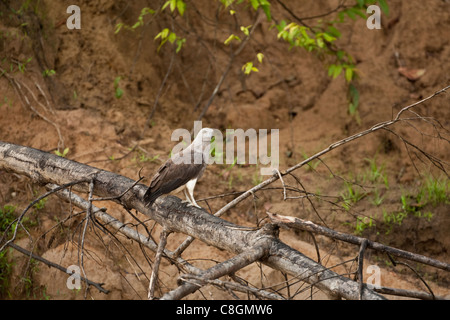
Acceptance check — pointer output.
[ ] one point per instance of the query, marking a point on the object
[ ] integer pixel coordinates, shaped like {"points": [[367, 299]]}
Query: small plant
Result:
{"points": [[351, 195], [7, 217], [118, 92], [180, 5], [22, 65], [6, 101], [362, 223], [62, 154], [40, 204], [376, 173], [434, 191], [141, 157], [257, 178], [393, 218], [167, 35], [139, 23], [377, 198], [5, 273], [48, 73], [312, 165]]}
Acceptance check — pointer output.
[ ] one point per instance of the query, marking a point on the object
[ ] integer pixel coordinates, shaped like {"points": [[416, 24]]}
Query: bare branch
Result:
{"points": [[408, 293], [57, 266], [226, 285], [229, 266], [300, 224], [154, 277]]}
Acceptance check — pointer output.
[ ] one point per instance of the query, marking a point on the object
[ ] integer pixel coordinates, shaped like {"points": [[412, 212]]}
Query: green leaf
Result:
{"points": [[359, 12], [334, 32], [320, 42], [337, 71], [245, 30], [118, 28], [255, 4], [328, 37], [180, 43], [265, 6], [227, 3], [260, 57], [163, 34], [354, 99], [165, 5], [181, 6], [384, 6], [331, 69], [349, 74], [116, 81], [231, 38], [147, 10], [137, 24], [281, 26], [63, 154], [248, 68], [173, 5], [350, 13], [172, 37]]}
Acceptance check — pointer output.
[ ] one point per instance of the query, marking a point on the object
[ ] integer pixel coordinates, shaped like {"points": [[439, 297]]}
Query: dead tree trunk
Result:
{"points": [[262, 245]]}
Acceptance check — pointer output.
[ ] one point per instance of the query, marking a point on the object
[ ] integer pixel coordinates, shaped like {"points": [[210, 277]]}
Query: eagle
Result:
{"points": [[182, 171]]}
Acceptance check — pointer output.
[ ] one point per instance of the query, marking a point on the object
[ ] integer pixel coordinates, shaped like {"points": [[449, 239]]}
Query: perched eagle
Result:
{"points": [[182, 170]]}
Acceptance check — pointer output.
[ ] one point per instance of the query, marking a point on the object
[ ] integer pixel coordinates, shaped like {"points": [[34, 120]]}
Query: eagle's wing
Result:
{"points": [[171, 176]]}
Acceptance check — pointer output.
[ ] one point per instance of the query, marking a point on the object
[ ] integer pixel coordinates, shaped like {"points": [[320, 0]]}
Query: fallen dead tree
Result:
{"points": [[250, 245]]}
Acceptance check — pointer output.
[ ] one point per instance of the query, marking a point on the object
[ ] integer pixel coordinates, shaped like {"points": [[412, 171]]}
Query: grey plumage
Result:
{"points": [[181, 172]]}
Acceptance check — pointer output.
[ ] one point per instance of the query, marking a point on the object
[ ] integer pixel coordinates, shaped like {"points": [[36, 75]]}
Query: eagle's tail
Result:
{"points": [[150, 197]]}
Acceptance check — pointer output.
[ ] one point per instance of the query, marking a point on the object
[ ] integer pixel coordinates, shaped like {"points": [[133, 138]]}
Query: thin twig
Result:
{"points": [[298, 223], [163, 83], [395, 263], [231, 285], [99, 213], [407, 293], [227, 267], [87, 220], [362, 249], [230, 64], [18, 221], [282, 182], [56, 266], [154, 277], [273, 178]]}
